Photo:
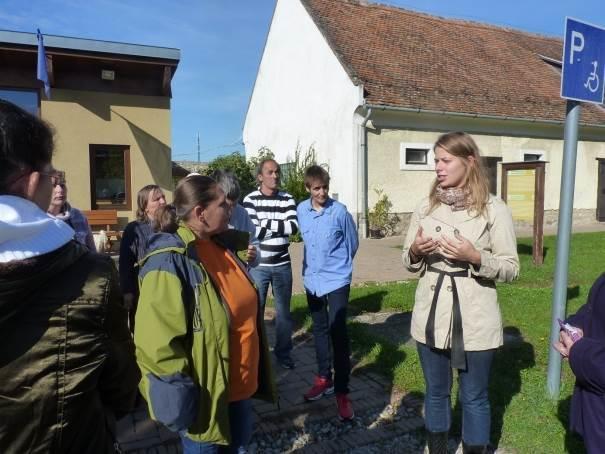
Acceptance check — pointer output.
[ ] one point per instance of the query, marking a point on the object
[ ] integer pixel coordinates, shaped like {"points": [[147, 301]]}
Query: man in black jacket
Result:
{"points": [[67, 365]]}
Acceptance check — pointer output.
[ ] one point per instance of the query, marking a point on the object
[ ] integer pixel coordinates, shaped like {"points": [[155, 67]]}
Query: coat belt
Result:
{"points": [[458, 358]]}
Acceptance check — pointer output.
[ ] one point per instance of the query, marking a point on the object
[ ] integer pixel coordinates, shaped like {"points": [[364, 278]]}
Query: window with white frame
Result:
{"points": [[416, 156]]}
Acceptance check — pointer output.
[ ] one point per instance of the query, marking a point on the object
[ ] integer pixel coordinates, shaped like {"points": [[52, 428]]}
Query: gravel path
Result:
{"points": [[357, 436]]}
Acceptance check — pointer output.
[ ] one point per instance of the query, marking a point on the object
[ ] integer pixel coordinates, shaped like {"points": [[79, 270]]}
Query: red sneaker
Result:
{"points": [[322, 387], [345, 409]]}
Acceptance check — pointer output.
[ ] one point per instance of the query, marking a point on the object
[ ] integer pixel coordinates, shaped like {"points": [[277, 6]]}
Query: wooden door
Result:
{"points": [[491, 165]]}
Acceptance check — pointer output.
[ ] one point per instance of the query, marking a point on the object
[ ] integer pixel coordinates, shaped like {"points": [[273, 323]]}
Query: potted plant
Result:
{"points": [[378, 218]]}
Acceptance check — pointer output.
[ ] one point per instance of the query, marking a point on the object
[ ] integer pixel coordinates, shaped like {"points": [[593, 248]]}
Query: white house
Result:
{"points": [[372, 86]]}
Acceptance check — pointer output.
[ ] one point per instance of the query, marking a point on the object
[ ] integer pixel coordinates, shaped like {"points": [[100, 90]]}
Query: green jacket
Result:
{"points": [[67, 365], [182, 341]]}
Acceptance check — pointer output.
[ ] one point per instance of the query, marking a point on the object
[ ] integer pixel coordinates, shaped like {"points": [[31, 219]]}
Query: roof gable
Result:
{"points": [[414, 60]]}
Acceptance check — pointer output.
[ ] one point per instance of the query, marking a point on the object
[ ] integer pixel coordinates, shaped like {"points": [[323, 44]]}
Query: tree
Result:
{"points": [[236, 163]]}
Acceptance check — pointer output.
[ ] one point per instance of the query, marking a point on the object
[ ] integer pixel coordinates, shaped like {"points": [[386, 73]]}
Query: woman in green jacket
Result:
{"points": [[199, 339]]}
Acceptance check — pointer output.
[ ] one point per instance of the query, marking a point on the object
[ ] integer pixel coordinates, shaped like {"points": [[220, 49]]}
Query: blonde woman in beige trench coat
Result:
{"points": [[461, 240]]}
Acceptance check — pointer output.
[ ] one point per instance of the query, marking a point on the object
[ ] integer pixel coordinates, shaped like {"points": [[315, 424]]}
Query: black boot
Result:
{"points": [[476, 449], [436, 442]]}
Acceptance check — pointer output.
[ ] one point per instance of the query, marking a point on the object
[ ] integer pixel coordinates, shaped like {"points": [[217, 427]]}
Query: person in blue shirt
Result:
{"points": [[330, 243], [240, 219]]}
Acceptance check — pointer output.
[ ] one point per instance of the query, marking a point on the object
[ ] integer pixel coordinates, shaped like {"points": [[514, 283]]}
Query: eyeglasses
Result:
{"points": [[56, 178]]}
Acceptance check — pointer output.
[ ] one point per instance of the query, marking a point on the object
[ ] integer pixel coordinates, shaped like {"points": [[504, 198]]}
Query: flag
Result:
{"points": [[42, 69]]}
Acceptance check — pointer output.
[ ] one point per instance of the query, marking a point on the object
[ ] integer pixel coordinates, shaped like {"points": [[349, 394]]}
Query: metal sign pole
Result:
{"points": [[559, 302]]}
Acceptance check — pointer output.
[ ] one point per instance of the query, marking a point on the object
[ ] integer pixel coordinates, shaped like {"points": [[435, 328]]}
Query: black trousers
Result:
{"points": [[329, 314]]}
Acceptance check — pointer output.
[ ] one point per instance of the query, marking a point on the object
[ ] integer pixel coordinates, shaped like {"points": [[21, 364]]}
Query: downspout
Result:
{"points": [[362, 177]]}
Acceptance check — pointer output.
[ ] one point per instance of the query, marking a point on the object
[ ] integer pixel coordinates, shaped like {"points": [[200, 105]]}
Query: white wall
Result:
{"points": [[303, 95], [406, 187]]}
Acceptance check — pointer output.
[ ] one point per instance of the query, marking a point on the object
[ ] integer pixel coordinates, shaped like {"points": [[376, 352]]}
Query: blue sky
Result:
{"points": [[221, 42]]}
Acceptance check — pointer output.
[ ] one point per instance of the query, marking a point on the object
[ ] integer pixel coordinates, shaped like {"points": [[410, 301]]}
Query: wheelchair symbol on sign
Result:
{"points": [[592, 83]]}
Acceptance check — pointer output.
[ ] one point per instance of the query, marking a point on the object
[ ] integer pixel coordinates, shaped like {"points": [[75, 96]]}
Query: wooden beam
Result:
{"points": [[166, 89]]}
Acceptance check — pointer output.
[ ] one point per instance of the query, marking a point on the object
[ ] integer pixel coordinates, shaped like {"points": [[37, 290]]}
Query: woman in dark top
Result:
{"points": [[587, 361], [134, 244]]}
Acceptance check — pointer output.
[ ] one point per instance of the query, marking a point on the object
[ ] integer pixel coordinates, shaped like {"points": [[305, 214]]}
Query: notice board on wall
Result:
{"points": [[521, 194]]}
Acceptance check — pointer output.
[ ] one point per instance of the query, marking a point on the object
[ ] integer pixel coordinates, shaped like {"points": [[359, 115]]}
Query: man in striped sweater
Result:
{"points": [[274, 214]]}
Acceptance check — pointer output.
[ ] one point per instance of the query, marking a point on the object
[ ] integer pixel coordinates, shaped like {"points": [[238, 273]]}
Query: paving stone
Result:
{"points": [[312, 449], [379, 379], [360, 436], [141, 414], [167, 435], [125, 429], [146, 428], [167, 450], [146, 443], [344, 444], [264, 408], [297, 387], [307, 370], [323, 448]]}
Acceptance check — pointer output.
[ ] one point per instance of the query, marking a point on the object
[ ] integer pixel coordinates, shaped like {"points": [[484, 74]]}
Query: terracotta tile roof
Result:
{"points": [[414, 60]]}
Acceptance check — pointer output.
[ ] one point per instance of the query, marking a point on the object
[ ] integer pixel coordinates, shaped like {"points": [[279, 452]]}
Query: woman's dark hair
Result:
{"points": [[192, 191], [26, 143], [143, 198]]}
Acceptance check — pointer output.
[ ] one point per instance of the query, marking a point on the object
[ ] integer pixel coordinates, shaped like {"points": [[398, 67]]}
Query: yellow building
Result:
{"points": [[110, 107]]}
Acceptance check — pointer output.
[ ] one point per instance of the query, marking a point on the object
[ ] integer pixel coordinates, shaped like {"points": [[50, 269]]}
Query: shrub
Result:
{"points": [[293, 173]]}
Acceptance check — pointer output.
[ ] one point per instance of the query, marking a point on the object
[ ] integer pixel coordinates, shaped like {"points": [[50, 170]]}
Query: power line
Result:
{"points": [[218, 147]]}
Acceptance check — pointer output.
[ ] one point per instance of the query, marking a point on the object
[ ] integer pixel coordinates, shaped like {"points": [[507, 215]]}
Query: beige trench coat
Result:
{"points": [[495, 239]]}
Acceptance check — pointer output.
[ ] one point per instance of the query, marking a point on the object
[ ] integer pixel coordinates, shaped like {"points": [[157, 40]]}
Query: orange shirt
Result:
{"points": [[242, 302]]}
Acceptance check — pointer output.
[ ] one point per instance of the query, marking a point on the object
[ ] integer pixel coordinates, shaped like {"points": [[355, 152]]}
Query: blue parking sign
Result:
{"points": [[583, 76]]}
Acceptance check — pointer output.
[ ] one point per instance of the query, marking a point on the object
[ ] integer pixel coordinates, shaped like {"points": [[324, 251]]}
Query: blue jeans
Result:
{"points": [[280, 278], [240, 420], [473, 392], [329, 314]]}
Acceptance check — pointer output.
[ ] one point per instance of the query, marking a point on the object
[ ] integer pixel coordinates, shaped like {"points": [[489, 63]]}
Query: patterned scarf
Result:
{"points": [[457, 198]]}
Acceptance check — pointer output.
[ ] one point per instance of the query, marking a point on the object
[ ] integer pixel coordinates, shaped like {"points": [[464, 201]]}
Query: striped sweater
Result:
{"points": [[275, 219]]}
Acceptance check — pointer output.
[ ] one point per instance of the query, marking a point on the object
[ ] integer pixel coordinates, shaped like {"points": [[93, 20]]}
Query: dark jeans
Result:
{"points": [[329, 314], [473, 382], [240, 420], [280, 278]]}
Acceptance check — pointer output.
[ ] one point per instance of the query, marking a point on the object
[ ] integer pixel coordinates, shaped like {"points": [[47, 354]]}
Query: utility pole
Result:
{"points": [[198, 147]]}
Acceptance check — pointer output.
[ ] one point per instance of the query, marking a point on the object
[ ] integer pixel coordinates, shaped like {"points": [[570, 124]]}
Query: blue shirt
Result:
{"points": [[331, 242]]}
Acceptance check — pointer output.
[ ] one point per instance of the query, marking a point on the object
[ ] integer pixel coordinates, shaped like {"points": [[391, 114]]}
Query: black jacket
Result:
{"points": [[133, 247], [67, 364]]}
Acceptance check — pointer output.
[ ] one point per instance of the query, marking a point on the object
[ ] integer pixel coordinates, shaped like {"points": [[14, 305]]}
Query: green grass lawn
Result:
{"points": [[523, 418]]}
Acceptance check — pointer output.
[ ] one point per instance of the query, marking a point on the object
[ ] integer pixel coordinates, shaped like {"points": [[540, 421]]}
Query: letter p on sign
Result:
{"points": [[577, 44]]}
